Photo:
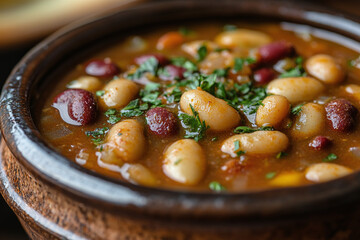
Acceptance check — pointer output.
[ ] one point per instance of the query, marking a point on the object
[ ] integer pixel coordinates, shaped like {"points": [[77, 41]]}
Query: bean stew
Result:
{"points": [[211, 107]]}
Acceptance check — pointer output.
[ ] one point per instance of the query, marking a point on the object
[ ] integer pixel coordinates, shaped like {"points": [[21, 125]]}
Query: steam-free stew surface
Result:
{"points": [[251, 107]]}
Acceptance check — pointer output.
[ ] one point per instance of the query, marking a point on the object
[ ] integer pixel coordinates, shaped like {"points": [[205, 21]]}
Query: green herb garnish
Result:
{"points": [[150, 65], [239, 63], [331, 157], [229, 27], [201, 53], [245, 129], [216, 186], [177, 161], [270, 175], [281, 155], [221, 72], [214, 139], [97, 135], [113, 116], [194, 127], [100, 93], [132, 109], [296, 110]]}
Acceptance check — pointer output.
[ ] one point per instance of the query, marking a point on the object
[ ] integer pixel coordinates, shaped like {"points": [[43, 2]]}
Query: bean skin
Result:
{"points": [[321, 172], [242, 38], [161, 121], [264, 75], [325, 68], [127, 140], [103, 68], [216, 113], [260, 142], [118, 93], [309, 122], [319, 143], [296, 89], [76, 106], [341, 115], [275, 51], [184, 162], [273, 111]]}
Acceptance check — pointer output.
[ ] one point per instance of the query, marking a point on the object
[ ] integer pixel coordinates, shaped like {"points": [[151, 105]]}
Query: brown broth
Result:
{"points": [[251, 174]]}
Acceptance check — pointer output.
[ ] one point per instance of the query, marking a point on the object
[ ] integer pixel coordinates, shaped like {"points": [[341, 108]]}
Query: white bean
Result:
{"points": [[260, 142], [273, 111], [215, 112], [354, 91], [310, 121], [325, 68], [321, 172], [87, 83], [118, 93], [184, 162], [242, 38], [296, 89], [141, 175], [127, 139]]}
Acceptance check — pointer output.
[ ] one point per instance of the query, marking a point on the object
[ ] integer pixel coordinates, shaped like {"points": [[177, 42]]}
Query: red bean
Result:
{"points": [[161, 122], [319, 143], [275, 51], [341, 114], [101, 68], [264, 75], [162, 60], [172, 72], [76, 106]]}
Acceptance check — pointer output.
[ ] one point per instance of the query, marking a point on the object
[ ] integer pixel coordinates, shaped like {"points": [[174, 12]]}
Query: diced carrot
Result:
{"points": [[169, 40]]}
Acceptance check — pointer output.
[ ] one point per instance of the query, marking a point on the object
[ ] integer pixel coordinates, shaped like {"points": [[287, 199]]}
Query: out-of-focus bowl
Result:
{"points": [[56, 199]]}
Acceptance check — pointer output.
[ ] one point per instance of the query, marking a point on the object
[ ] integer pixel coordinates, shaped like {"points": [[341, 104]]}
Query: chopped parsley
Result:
{"points": [[100, 93], [270, 175], [252, 97], [222, 72], [354, 62], [331, 157], [237, 147], [194, 127], [185, 31], [177, 161], [297, 71], [113, 116], [214, 139], [174, 96], [216, 187], [240, 62], [229, 27], [97, 135], [245, 129], [281, 155], [201, 53], [150, 94], [296, 110], [133, 109], [150, 65]]}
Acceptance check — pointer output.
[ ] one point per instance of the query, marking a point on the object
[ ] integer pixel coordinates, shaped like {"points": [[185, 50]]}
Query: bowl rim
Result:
{"points": [[26, 144]]}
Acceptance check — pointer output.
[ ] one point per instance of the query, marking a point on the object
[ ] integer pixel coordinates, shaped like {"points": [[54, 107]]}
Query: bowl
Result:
{"points": [[56, 199]]}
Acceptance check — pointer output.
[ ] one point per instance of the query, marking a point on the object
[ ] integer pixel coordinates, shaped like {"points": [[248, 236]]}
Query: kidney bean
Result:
{"points": [[275, 51], [76, 106], [341, 114], [264, 75], [172, 72], [161, 121], [162, 60], [319, 143], [101, 68]]}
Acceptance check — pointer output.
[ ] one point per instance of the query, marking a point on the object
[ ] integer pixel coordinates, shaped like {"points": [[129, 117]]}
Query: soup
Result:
{"points": [[211, 107]]}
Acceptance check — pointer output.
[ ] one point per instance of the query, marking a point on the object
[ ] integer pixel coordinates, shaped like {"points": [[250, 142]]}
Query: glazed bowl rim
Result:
{"points": [[28, 147]]}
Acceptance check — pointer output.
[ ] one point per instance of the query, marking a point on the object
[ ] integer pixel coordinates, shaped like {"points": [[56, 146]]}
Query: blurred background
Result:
{"points": [[23, 23]]}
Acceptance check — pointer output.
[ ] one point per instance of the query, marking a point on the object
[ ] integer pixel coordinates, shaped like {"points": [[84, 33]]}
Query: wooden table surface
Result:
{"points": [[10, 228]]}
